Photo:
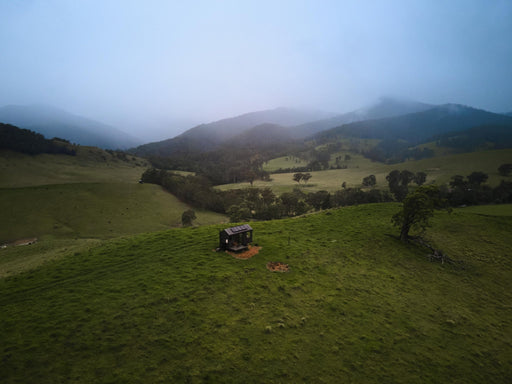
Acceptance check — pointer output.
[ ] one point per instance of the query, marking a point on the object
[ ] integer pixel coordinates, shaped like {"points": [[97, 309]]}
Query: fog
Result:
{"points": [[156, 68]]}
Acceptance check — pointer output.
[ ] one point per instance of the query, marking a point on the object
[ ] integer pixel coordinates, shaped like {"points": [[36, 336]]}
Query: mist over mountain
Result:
{"points": [[384, 107], [417, 127], [53, 122], [209, 136], [262, 136]]}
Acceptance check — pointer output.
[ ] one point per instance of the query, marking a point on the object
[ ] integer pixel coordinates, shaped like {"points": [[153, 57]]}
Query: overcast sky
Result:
{"points": [[147, 65]]}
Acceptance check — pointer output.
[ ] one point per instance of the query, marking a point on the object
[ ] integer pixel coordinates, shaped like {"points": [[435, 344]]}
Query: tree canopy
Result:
{"points": [[417, 209]]}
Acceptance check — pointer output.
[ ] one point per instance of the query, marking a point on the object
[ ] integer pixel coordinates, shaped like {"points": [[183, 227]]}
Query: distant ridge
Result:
{"points": [[53, 122], [210, 136], [417, 127], [384, 107]]}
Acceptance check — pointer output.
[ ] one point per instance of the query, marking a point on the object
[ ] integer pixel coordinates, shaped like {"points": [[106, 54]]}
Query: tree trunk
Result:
{"points": [[404, 233]]}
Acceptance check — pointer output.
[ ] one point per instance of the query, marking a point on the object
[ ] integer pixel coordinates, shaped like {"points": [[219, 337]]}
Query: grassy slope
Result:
{"points": [[71, 202], [96, 210], [89, 166], [438, 169], [357, 306]]}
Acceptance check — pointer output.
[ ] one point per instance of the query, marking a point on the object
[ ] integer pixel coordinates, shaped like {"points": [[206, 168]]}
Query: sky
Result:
{"points": [[155, 68]]}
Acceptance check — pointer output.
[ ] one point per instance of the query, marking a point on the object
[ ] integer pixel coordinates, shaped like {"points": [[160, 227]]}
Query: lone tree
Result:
{"points": [[369, 181], [418, 207], [298, 177], [301, 176], [187, 217]]}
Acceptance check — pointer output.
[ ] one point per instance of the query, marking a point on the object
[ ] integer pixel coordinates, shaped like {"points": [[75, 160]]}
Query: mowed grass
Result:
{"points": [[439, 170], [356, 306]]}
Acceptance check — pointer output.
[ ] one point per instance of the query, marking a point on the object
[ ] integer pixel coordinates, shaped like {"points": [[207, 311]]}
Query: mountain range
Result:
{"points": [[390, 119], [210, 136], [53, 122], [417, 127]]}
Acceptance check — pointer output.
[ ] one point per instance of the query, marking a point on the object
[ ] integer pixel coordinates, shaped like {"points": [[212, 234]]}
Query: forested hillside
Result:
{"points": [[26, 141]]}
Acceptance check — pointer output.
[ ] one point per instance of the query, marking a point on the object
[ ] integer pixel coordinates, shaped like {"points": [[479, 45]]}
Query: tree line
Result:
{"points": [[32, 143], [256, 203], [262, 204]]}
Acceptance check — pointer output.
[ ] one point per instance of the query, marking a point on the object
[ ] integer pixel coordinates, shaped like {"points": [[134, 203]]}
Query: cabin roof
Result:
{"points": [[238, 229]]}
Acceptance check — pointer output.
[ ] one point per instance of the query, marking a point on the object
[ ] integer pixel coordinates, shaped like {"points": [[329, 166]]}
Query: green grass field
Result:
{"points": [[439, 170], [70, 203], [97, 210], [357, 306], [89, 166]]}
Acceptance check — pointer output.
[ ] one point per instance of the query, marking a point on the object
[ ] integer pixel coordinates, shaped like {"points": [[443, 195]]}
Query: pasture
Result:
{"points": [[439, 170], [356, 306]]}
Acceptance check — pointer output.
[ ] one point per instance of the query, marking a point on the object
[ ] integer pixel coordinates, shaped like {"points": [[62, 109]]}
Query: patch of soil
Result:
{"points": [[277, 266], [28, 241], [247, 254]]}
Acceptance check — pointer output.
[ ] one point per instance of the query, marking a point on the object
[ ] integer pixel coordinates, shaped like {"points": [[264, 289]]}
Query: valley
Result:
{"points": [[116, 289]]}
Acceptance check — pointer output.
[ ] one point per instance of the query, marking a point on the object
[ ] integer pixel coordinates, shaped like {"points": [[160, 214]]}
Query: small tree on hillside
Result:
{"points": [[187, 217], [306, 176], [418, 207], [251, 176], [298, 177]]}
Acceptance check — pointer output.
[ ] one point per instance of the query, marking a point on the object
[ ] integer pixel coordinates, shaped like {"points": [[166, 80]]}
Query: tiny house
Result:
{"points": [[236, 238]]}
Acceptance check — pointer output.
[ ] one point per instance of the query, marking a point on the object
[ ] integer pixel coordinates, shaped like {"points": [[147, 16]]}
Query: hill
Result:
{"points": [[481, 137], [417, 127], [262, 136], [88, 165], [26, 141], [356, 306], [75, 202], [384, 107], [209, 136], [53, 122]]}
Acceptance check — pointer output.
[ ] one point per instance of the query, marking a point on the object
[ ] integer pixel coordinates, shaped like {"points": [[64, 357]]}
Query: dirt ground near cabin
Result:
{"points": [[247, 254], [277, 266]]}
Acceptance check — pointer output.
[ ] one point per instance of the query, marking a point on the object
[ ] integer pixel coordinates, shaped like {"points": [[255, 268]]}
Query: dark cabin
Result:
{"points": [[236, 238]]}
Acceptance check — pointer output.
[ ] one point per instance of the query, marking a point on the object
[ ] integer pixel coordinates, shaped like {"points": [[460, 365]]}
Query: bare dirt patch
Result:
{"points": [[253, 250], [277, 266]]}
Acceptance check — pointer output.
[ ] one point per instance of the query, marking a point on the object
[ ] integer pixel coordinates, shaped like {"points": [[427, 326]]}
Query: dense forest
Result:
{"points": [[32, 143]]}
